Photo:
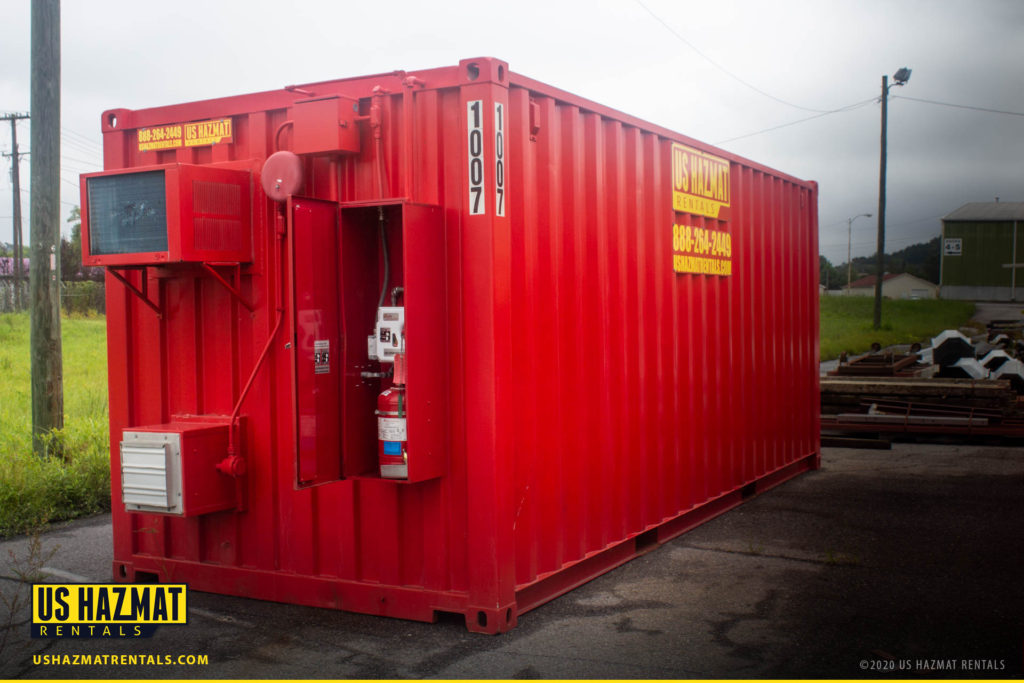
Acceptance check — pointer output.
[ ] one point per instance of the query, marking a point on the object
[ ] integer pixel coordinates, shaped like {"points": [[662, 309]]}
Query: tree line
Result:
{"points": [[71, 268], [920, 260]]}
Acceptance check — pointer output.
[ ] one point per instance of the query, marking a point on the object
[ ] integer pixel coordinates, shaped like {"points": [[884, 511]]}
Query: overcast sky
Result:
{"points": [[694, 67]]}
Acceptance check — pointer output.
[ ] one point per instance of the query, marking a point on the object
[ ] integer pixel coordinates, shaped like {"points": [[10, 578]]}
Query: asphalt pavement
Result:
{"points": [[883, 564]]}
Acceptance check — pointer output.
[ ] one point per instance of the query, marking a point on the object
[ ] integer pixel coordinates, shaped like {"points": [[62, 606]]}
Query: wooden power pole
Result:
{"points": [[44, 271], [19, 242], [900, 78], [880, 261]]}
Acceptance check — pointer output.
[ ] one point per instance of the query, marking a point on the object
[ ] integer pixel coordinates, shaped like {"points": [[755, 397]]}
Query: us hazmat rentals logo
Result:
{"points": [[104, 610]]}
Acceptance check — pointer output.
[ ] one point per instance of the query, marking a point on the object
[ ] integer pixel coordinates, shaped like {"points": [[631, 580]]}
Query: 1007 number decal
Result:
{"points": [[475, 146]]}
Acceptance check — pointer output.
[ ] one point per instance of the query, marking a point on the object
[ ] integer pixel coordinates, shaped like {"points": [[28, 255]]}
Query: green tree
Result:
{"points": [[829, 275], [71, 251], [71, 267]]}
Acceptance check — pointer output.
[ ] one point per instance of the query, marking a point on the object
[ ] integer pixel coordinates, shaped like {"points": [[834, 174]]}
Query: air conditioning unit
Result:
{"points": [[173, 213]]}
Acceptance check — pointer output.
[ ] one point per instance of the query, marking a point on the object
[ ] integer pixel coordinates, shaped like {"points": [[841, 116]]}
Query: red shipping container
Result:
{"points": [[609, 333]]}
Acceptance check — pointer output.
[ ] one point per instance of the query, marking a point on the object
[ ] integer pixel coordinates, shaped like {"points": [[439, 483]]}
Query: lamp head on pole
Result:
{"points": [[901, 76]]}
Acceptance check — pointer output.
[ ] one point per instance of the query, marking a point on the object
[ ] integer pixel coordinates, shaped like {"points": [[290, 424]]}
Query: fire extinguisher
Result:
{"points": [[392, 434]]}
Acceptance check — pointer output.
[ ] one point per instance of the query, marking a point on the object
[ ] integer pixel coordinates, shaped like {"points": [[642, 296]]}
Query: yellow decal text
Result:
{"points": [[193, 134], [701, 250], [700, 182], [108, 604]]}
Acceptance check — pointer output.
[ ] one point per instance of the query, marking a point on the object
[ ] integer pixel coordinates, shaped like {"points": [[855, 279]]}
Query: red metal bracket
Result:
{"points": [[234, 292], [144, 294]]}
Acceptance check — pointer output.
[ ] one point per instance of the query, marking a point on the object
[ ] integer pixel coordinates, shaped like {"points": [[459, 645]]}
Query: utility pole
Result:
{"points": [[880, 269], [849, 249], [901, 76], [47, 370], [19, 258]]}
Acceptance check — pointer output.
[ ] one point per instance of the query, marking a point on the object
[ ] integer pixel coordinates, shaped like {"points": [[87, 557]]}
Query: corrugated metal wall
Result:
{"points": [[986, 247], [622, 395], [641, 393]]}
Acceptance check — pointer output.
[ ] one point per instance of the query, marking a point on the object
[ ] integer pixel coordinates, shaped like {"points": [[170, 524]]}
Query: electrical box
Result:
{"points": [[171, 469], [388, 337], [325, 125]]}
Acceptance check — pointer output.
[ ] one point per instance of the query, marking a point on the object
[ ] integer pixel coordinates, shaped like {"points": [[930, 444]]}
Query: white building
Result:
{"points": [[894, 286]]}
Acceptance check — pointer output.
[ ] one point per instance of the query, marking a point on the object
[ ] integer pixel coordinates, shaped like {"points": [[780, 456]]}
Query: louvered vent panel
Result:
{"points": [[217, 215]]}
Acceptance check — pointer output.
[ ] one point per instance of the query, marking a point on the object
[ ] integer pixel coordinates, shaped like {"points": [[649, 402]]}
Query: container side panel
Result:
{"points": [[591, 202], [606, 203], [522, 198], [544, 291], [567, 333], [457, 512], [697, 385]]}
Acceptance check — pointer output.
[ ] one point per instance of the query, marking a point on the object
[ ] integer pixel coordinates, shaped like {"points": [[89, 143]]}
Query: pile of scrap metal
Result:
{"points": [[955, 387], [879, 363]]}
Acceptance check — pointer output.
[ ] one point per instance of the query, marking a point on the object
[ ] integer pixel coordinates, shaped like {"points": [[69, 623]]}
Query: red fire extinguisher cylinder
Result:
{"points": [[392, 433]]}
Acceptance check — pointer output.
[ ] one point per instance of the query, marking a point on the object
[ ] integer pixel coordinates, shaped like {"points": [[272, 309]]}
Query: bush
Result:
{"points": [[74, 478], [52, 488], [83, 297]]}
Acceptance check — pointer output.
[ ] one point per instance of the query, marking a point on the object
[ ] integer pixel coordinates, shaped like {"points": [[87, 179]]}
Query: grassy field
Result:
{"points": [[34, 491], [846, 322]]}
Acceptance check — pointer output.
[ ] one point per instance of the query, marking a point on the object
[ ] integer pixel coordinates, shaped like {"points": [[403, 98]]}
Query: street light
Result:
{"points": [[849, 247], [900, 78]]}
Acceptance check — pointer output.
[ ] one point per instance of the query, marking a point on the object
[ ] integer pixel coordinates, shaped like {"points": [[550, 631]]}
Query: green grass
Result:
{"points": [[34, 491], [846, 322]]}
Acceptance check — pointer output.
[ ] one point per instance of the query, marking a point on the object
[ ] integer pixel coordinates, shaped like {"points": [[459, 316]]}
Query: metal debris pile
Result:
{"points": [[958, 386]]}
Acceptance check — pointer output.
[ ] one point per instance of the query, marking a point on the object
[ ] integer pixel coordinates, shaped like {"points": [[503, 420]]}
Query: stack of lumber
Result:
{"points": [[847, 394]]}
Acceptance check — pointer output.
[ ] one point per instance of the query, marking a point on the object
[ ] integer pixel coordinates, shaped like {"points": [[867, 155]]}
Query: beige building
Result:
{"points": [[894, 286]]}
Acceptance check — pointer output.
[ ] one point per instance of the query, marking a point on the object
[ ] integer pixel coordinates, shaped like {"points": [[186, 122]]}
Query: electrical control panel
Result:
{"points": [[388, 336]]}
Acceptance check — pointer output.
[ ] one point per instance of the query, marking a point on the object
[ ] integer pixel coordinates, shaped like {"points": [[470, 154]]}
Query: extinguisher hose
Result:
{"points": [[384, 252], [377, 123]]}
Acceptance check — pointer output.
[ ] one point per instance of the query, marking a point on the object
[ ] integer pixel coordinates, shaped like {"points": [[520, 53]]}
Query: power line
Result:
{"points": [[79, 146], [81, 161], [82, 137], [27, 192], [959, 106], [723, 69], [849, 107]]}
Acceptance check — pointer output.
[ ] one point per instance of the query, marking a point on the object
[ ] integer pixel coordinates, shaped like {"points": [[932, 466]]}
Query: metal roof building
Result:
{"points": [[982, 245]]}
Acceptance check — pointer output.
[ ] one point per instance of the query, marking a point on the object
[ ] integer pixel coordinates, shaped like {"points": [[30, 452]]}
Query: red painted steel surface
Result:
{"points": [[313, 256], [574, 401]]}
